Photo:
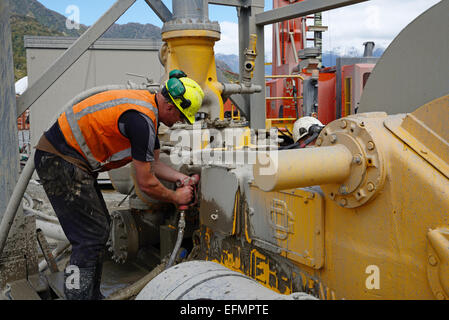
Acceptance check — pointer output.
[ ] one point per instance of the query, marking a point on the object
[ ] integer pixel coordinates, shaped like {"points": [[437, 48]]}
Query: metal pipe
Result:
{"points": [[281, 170], [285, 76], [42, 215], [369, 49], [292, 40], [15, 200], [283, 98], [188, 9], [233, 88], [51, 230], [278, 44]]}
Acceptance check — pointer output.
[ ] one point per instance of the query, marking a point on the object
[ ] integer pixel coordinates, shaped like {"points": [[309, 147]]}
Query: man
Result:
{"points": [[106, 131]]}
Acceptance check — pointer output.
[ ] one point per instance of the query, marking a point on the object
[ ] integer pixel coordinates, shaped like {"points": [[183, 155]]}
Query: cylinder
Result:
{"points": [[205, 280], [189, 9], [369, 49], [281, 170], [51, 230]]}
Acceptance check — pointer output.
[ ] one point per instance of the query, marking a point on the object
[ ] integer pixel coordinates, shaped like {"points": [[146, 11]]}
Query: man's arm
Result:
{"points": [[151, 186], [165, 172]]}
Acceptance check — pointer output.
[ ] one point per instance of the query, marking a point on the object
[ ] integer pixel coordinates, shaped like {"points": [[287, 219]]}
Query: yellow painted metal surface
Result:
{"points": [[294, 224], [394, 246], [280, 123], [425, 133], [193, 52]]}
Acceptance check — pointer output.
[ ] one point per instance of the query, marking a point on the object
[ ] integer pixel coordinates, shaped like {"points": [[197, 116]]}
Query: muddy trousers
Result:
{"points": [[79, 205]]}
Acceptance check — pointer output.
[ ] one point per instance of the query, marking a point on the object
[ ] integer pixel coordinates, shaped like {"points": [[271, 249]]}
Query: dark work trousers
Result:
{"points": [[79, 205]]}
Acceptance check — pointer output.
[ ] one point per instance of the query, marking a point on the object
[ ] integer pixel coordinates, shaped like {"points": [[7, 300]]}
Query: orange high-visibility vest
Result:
{"points": [[91, 126]]}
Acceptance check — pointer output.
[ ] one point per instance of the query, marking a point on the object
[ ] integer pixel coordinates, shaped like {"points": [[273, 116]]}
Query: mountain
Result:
{"points": [[133, 31], [21, 26], [45, 17], [330, 57], [231, 61]]}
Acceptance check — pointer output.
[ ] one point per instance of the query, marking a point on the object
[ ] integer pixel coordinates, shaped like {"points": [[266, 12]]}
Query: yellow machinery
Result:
{"points": [[364, 214]]}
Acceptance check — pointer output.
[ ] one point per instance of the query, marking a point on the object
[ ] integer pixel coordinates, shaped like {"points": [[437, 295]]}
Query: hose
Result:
{"points": [[29, 209], [181, 227], [136, 287], [28, 170]]}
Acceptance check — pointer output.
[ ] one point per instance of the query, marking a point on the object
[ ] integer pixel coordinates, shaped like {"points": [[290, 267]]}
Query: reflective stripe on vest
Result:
{"points": [[73, 119]]}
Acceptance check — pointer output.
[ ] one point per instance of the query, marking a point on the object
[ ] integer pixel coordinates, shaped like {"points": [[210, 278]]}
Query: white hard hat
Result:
{"points": [[302, 126]]}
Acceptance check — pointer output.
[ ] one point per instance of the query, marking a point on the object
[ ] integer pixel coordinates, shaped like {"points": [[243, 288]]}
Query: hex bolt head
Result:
{"points": [[357, 159], [370, 145], [333, 138], [319, 142], [343, 202], [433, 261], [343, 124], [370, 186], [440, 296]]}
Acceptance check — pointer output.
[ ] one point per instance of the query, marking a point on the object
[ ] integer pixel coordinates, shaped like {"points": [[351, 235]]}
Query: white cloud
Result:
{"points": [[349, 27], [229, 42], [376, 20]]}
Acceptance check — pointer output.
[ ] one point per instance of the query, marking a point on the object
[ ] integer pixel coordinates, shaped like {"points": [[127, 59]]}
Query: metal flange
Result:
{"points": [[367, 172], [124, 239]]}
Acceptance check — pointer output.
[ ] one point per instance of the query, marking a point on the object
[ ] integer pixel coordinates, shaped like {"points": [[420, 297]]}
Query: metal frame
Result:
{"points": [[301, 9]]}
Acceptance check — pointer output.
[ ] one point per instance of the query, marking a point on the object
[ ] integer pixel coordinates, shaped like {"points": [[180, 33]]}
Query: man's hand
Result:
{"points": [[184, 195]]}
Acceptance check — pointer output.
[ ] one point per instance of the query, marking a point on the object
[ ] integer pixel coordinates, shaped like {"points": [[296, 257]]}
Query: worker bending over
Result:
{"points": [[107, 131]]}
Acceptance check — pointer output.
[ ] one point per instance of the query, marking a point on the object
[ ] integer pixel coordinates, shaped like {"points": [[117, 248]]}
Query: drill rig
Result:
{"points": [[363, 214]]}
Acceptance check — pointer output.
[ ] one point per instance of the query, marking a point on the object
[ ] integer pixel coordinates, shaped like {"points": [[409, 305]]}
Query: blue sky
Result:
{"points": [[91, 10], [349, 27]]}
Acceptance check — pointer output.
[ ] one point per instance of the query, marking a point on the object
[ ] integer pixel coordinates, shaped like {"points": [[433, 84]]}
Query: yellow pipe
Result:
{"points": [[282, 98], [285, 76], [193, 52], [288, 169]]}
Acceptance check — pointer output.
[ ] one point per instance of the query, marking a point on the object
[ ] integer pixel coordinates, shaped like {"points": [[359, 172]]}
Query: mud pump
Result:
{"points": [[361, 214]]}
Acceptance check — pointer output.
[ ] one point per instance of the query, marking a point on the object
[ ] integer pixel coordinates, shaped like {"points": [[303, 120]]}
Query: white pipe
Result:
{"points": [[42, 215], [278, 44], [27, 172], [51, 230], [29, 200]]}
